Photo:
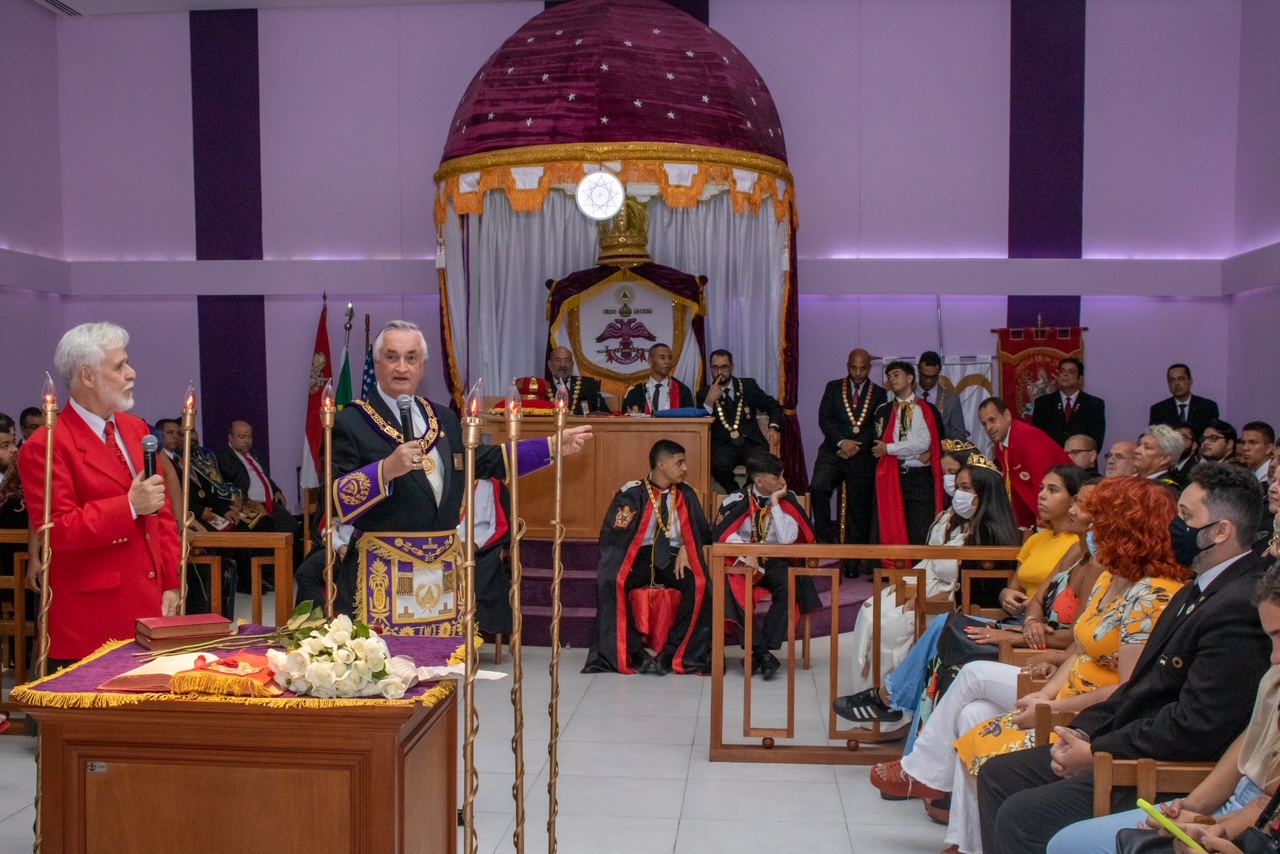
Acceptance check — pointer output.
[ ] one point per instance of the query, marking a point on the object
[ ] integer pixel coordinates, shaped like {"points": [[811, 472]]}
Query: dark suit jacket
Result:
{"points": [[836, 425], [1193, 689], [1200, 412], [1088, 416], [746, 393], [236, 473], [583, 390], [637, 396]]}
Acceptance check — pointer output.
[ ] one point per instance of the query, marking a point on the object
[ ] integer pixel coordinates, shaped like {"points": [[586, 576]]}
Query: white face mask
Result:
{"points": [[949, 483], [965, 504]]}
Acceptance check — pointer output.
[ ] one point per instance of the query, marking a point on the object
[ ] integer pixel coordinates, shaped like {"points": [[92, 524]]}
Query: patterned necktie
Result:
{"points": [[110, 431], [904, 420], [855, 394], [657, 391]]}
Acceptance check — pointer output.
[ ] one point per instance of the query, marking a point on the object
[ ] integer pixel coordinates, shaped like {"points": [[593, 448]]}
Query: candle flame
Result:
{"points": [[472, 404], [562, 399], [190, 403], [514, 405], [326, 395], [49, 394]]}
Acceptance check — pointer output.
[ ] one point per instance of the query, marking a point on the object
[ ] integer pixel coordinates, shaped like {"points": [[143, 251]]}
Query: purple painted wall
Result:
{"points": [[30, 326], [124, 84], [1161, 84], [1257, 185], [30, 180], [1254, 352]]}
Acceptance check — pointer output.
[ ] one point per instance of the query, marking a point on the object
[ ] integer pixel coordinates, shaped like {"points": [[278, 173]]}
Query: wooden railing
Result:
{"points": [[281, 547], [806, 558], [20, 626]]}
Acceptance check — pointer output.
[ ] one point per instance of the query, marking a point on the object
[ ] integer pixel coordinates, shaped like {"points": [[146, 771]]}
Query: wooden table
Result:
{"points": [[617, 453]]}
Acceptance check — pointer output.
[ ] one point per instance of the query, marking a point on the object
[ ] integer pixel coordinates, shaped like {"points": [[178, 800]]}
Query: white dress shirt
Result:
{"points": [[673, 522], [782, 526], [99, 426], [916, 443], [664, 396], [436, 477]]}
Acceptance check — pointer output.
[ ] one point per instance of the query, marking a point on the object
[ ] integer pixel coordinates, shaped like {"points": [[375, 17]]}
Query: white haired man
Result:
{"points": [[115, 541], [1159, 447]]}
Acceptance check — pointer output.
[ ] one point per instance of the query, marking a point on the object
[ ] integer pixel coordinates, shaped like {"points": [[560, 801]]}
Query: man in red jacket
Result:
{"points": [[1024, 453], [114, 539]]}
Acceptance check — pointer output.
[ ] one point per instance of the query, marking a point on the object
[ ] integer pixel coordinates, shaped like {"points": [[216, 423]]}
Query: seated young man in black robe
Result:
{"points": [[653, 534], [766, 512]]}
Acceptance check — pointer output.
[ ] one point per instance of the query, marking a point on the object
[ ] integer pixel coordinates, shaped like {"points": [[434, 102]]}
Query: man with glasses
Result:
{"points": [[1083, 452], [1218, 442], [1120, 460]]}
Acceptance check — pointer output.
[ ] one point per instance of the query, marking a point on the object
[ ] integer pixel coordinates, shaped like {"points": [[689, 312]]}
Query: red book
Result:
{"points": [[184, 625]]}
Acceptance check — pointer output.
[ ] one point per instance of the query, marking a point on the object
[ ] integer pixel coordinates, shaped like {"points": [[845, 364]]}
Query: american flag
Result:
{"points": [[367, 381]]}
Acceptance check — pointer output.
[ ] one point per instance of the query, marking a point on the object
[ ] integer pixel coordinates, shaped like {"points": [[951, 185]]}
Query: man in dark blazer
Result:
{"points": [[584, 392], [1191, 692], [1182, 407], [846, 416], [262, 496], [946, 401], [734, 403], [660, 388], [1070, 410]]}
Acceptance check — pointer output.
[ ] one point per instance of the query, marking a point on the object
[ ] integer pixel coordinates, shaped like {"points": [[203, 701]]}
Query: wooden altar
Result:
{"points": [[617, 453]]}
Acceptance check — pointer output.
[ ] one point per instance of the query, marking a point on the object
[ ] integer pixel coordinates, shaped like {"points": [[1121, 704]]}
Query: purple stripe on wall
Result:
{"points": [[1046, 311], [225, 135], [1046, 128], [233, 373]]}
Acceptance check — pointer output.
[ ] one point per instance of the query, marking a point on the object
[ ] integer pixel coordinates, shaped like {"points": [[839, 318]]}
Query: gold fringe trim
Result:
{"points": [[28, 695], [219, 684], [641, 163]]}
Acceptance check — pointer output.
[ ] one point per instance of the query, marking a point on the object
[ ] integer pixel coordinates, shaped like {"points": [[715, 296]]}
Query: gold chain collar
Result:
{"points": [[425, 443], [865, 403], [737, 393]]}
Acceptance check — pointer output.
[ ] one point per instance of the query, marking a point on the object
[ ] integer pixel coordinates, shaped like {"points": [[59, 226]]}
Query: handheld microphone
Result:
{"points": [[149, 447], [405, 403]]}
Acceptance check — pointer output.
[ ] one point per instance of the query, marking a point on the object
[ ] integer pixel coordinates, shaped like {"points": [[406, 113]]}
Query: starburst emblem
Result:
{"points": [[600, 195]]}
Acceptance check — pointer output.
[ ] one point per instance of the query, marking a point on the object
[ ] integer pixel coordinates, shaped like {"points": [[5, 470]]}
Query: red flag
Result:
{"points": [[321, 372]]}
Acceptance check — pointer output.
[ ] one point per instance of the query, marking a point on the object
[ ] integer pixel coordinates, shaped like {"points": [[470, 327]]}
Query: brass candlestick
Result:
{"points": [[557, 575], [471, 778], [514, 414], [327, 413], [49, 410], [188, 427]]}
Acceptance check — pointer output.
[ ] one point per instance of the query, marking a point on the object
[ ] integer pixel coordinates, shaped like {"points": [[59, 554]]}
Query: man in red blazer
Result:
{"points": [[115, 541], [1024, 453]]}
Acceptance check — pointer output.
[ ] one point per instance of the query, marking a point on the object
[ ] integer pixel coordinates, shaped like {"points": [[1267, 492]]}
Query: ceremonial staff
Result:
{"points": [[514, 414], [327, 413], [557, 575], [471, 784], [49, 409], [188, 426]]}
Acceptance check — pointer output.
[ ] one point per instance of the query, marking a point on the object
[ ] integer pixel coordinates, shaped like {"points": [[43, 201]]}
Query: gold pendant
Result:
{"points": [[733, 434], [428, 465]]}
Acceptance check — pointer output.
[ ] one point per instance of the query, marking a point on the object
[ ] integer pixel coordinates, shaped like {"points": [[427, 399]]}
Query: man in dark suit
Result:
{"points": [[661, 390], [404, 498], [846, 416], [1191, 691], [946, 401], [584, 392], [734, 403], [1182, 407], [1070, 410], [248, 474]]}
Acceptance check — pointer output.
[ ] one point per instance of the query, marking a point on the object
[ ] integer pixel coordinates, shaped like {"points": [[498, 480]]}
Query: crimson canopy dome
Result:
{"points": [[610, 71]]}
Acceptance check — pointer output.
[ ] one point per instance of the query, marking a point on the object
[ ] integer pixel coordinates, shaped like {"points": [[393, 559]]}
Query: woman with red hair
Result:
{"points": [[1129, 536]]}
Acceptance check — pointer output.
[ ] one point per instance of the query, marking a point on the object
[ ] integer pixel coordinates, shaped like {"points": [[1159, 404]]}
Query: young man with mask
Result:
{"points": [[766, 512], [1190, 693]]}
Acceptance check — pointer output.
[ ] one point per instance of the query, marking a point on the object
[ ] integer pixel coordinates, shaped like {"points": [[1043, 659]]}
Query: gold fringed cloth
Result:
{"points": [[76, 686], [409, 583]]}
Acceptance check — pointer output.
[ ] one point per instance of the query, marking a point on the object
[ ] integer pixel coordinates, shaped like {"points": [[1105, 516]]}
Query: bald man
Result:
{"points": [[242, 469], [1121, 459], [584, 392], [846, 417]]}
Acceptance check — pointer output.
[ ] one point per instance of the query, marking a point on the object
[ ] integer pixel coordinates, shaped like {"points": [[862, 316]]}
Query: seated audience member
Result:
{"points": [[653, 534], [766, 512], [29, 421], [1083, 452], [1154, 456], [1182, 407], [734, 403], [908, 481], [584, 392], [1023, 452], [1130, 533], [243, 470], [1190, 451], [1238, 788], [1070, 409], [928, 372], [1257, 441], [1217, 442], [661, 391], [1120, 460], [1190, 690]]}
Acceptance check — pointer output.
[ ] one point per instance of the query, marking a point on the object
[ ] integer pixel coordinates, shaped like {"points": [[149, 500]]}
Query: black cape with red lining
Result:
{"points": [[621, 537], [732, 515]]}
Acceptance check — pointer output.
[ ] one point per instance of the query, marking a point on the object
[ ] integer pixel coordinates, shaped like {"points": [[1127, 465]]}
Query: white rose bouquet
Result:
{"points": [[339, 658]]}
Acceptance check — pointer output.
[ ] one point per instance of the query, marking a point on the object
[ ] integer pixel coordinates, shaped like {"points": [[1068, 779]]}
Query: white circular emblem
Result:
{"points": [[600, 195]]}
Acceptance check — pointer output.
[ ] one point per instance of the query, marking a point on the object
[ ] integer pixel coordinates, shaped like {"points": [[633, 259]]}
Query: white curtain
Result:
{"points": [[975, 374], [502, 333]]}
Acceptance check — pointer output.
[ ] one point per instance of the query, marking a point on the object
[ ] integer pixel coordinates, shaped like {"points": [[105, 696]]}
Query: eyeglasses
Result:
{"points": [[1209, 437]]}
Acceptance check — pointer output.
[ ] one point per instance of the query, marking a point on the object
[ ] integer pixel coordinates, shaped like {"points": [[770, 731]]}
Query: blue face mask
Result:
{"points": [[1091, 543]]}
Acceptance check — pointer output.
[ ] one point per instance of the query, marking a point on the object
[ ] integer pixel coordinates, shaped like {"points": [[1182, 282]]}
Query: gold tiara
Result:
{"points": [[957, 446], [976, 459]]}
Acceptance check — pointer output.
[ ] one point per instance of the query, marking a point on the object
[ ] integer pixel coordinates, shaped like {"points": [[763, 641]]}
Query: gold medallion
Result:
{"points": [[428, 465], [733, 434]]}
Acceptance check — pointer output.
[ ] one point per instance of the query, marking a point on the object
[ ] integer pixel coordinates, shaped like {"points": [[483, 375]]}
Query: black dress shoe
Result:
{"points": [[769, 665], [648, 664], [662, 664]]}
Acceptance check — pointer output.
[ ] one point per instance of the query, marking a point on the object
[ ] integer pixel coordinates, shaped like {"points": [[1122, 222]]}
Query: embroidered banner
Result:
{"points": [[1029, 363]]}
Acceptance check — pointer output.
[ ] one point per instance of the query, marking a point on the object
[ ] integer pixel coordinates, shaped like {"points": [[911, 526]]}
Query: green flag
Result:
{"points": [[343, 395]]}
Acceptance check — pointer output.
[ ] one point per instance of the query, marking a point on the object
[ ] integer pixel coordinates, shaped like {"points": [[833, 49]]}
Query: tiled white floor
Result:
{"points": [[634, 774]]}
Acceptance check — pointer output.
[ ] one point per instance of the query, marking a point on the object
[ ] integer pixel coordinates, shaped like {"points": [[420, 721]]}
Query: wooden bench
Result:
{"points": [[281, 547]]}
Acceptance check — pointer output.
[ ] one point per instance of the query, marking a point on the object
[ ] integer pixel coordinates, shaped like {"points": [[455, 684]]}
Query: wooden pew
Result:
{"points": [[281, 547]]}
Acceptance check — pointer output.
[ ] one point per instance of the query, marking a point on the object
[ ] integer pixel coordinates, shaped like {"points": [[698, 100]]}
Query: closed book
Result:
{"points": [[159, 644], [183, 625]]}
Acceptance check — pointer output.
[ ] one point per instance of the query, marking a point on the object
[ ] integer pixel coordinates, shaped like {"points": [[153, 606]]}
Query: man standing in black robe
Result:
{"points": [[653, 534]]}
